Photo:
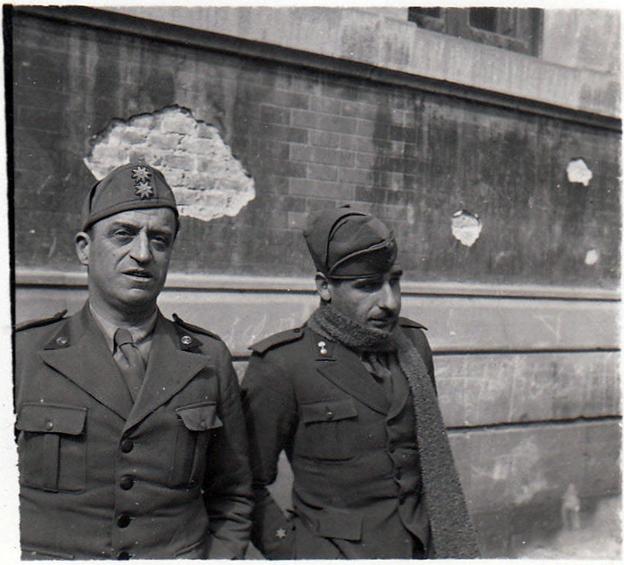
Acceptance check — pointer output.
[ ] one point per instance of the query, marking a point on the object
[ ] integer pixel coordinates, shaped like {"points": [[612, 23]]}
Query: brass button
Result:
{"points": [[49, 425], [186, 340], [330, 414]]}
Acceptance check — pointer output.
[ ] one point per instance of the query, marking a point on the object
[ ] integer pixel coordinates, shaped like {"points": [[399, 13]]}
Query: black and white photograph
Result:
{"points": [[307, 282]]}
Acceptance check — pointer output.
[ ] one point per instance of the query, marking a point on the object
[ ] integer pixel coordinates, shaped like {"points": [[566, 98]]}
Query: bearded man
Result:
{"points": [[351, 399]]}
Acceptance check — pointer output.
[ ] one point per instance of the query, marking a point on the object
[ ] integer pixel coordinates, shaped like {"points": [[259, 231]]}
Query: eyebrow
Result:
{"points": [[133, 226]]}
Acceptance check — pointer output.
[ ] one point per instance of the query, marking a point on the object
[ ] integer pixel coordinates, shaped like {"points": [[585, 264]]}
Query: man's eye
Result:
{"points": [[122, 234], [161, 242]]}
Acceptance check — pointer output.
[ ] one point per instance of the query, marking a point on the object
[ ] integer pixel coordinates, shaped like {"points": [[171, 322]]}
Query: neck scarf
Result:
{"points": [[452, 533]]}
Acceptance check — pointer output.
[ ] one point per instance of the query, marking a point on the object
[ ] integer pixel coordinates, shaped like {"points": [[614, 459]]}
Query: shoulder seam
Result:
{"points": [[406, 322], [280, 338], [197, 329], [40, 322]]}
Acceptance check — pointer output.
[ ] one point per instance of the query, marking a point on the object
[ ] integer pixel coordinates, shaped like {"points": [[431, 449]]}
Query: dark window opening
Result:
{"points": [[515, 29]]}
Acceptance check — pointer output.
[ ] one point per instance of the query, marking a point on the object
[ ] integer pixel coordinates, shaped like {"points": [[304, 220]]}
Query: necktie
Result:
{"points": [[380, 371], [129, 360]]}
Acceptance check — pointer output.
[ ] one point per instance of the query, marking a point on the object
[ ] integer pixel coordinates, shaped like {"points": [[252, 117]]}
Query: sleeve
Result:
{"points": [[270, 409], [227, 489]]}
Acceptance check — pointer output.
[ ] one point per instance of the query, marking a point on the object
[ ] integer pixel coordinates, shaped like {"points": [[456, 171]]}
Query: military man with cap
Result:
{"points": [[131, 437], [350, 398]]}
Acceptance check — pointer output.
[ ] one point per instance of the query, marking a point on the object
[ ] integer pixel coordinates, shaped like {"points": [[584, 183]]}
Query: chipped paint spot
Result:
{"points": [[207, 180], [592, 257], [466, 227], [578, 172]]}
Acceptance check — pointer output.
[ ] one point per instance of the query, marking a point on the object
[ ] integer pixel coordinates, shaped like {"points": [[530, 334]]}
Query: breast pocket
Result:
{"points": [[328, 430], [198, 425], [52, 446]]}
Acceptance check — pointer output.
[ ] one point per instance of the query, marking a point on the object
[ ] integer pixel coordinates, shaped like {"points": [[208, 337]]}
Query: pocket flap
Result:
{"points": [[200, 417], [339, 524], [53, 418], [328, 411]]}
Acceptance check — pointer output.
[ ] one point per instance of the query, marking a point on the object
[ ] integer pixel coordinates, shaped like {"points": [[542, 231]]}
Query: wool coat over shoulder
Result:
{"points": [[101, 477]]}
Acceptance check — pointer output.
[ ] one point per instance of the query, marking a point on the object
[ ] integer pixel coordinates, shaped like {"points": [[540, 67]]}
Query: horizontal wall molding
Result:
{"points": [[456, 323], [478, 393], [201, 282], [533, 86]]}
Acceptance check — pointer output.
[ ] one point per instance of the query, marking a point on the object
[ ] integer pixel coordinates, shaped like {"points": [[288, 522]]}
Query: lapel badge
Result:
{"points": [[280, 533], [142, 182], [186, 340], [322, 350], [61, 340]]}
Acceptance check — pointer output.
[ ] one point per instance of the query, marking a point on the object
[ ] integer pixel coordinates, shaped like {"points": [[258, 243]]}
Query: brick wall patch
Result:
{"points": [[208, 181]]}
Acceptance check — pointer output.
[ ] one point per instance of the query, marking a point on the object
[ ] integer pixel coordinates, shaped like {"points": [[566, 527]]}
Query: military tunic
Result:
{"points": [[101, 477], [357, 485]]}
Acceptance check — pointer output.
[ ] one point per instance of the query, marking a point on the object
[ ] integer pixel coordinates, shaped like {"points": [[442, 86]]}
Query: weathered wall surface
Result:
{"points": [[509, 219]]}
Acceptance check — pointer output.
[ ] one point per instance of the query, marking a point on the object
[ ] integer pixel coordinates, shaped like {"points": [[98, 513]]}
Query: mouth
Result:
{"points": [[382, 322], [138, 274]]}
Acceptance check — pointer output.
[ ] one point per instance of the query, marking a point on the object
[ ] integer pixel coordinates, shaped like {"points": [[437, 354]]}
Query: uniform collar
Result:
{"points": [[140, 332]]}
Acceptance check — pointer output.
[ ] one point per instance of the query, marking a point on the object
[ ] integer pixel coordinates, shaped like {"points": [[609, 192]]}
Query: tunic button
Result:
{"points": [[126, 482], [123, 521], [61, 340], [127, 445], [49, 425], [123, 556], [330, 414]]}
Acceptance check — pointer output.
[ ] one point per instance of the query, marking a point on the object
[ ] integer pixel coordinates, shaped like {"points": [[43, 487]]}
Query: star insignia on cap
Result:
{"points": [[141, 173], [144, 189], [280, 533]]}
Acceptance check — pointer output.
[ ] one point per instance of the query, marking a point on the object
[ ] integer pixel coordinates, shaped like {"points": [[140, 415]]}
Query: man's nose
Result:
{"points": [[389, 298], [141, 251]]}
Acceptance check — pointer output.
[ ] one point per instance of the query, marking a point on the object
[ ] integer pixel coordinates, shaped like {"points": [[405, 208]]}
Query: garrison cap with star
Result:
{"points": [[128, 187], [347, 244]]}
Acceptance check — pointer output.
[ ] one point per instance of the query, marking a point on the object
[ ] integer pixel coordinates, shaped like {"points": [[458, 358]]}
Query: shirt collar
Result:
{"points": [[139, 332]]}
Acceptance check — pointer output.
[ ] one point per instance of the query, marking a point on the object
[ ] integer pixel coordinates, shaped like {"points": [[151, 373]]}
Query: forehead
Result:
{"points": [[150, 218]]}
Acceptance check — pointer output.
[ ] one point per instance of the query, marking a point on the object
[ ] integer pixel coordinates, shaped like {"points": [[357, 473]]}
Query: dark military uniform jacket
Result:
{"points": [[101, 477], [357, 485]]}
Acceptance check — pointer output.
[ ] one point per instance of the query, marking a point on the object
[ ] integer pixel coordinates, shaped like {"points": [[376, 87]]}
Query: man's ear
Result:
{"points": [[323, 287], [82, 242]]}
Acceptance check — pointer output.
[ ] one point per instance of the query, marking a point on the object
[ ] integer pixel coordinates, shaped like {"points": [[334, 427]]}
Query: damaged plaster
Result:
{"points": [[466, 227], [578, 172], [207, 180], [592, 257]]}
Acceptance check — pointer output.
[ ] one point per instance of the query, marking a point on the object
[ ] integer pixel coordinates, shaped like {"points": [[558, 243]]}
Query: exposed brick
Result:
{"points": [[289, 99], [297, 220], [300, 152], [275, 115], [337, 123], [325, 105], [322, 172], [333, 157], [283, 133], [314, 204], [304, 118], [356, 176], [158, 140], [359, 110], [325, 139], [348, 142], [324, 189]]}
